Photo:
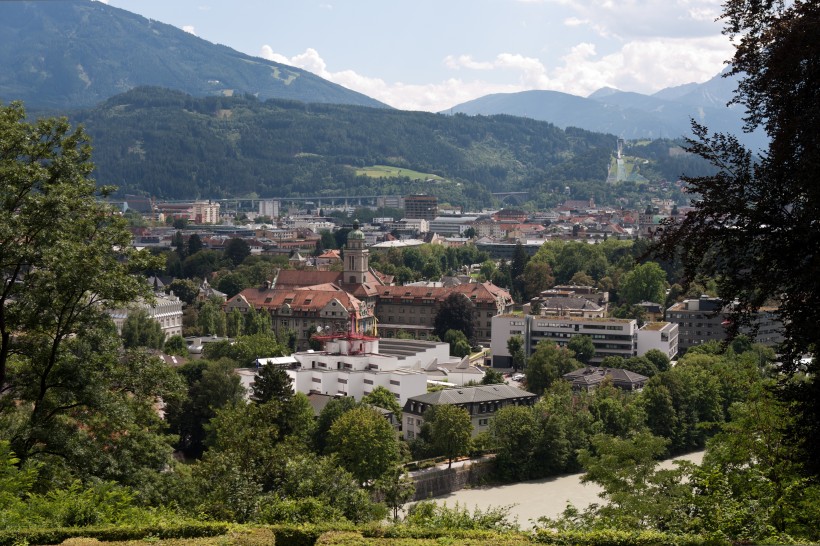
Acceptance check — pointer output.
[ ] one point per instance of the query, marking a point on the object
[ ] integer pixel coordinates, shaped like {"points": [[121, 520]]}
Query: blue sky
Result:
{"points": [[433, 54]]}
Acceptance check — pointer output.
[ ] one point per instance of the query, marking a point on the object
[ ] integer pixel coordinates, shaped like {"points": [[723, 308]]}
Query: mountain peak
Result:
{"points": [[76, 53], [603, 92]]}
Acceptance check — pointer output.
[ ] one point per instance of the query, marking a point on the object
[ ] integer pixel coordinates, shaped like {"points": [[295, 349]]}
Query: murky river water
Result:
{"points": [[533, 499]]}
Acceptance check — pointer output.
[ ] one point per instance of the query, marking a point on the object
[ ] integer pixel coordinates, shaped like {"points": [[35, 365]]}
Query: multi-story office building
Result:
{"points": [[421, 206], [706, 318], [610, 336]]}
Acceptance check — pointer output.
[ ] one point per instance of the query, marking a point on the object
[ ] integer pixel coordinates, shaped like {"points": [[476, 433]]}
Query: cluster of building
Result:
{"points": [[496, 232]]}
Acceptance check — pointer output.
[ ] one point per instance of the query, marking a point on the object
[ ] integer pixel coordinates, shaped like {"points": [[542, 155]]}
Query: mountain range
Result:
{"points": [[665, 114], [76, 53], [175, 116]]}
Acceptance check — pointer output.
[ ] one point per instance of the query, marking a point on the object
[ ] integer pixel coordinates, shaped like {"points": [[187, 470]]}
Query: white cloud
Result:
{"points": [[189, 29], [465, 61], [640, 65]]}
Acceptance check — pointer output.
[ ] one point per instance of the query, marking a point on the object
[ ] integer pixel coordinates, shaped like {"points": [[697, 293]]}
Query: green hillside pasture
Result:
{"points": [[386, 171]]}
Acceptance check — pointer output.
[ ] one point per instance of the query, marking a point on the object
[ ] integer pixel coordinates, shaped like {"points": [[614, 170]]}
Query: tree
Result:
{"points": [[365, 443], [185, 289], [140, 330], [211, 386], [383, 398], [548, 364], [455, 313], [334, 409], [175, 345], [646, 282], [271, 383], [450, 431], [756, 217], [236, 250], [659, 359], [459, 344], [492, 377], [582, 347], [194, 244], [537, 277], [397, 488], [66, 259], [515, 346], [515, 431], [211, 320]]}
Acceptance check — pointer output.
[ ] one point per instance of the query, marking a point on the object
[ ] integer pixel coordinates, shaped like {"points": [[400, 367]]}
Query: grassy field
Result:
{"points": [[386, 171]]}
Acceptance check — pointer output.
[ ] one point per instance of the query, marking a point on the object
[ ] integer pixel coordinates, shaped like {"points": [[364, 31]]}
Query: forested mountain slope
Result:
{"points": [[171, 145]]}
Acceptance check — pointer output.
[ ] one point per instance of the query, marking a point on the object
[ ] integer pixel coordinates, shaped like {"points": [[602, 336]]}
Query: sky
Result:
{"points": [[434, 54]]}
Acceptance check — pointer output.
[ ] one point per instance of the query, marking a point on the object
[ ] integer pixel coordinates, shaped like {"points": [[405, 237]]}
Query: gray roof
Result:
{"points": [[592, 375], [466, 395]]}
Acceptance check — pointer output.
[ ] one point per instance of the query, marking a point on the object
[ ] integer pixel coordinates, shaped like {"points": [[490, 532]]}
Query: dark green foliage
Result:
{"points": [[450, 430], [175, 345], [459, 344], [583, 348], [334, 409], [364, 442], [492, 377], [547, 365], [196, 529], [271, 383], [140, 330], [383, 398], [211, 385], [755, 220], [618, 537], [455, 313], [185, 289], [284, 148], [236, 250]]}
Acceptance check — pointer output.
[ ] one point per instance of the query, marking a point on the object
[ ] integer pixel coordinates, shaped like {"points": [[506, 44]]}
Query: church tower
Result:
{"points": [[355, 257]]}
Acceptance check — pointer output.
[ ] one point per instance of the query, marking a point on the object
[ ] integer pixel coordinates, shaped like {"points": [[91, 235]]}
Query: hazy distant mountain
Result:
{"points": [[666, 114], [76, 53]]}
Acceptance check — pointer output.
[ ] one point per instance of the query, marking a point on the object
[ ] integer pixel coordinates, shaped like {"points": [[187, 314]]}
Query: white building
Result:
{"points": [[355, 364], [610, 336], [269, 208], [166, 309], [662, 336]]}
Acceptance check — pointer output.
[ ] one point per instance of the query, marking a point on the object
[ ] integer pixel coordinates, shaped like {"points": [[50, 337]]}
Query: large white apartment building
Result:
{"points": [[355, 364]]}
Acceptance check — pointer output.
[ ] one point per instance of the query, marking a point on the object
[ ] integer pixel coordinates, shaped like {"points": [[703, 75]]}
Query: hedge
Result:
{"points": [[107, 534], [462, 538], [615, 537]]}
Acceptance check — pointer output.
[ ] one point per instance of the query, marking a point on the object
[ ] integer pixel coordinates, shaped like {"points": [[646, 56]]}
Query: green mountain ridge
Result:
{"points": [[171, 145], [76, 53]]}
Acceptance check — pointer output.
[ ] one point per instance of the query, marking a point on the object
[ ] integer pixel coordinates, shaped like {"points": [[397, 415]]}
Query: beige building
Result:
{"points": [[481, 402]]}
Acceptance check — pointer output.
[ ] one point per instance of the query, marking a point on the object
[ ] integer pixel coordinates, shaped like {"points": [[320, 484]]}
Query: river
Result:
{"points": [[545, 497]]}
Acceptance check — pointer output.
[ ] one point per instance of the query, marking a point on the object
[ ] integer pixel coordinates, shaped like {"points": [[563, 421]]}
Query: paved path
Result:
{"points": [[536, 498]]}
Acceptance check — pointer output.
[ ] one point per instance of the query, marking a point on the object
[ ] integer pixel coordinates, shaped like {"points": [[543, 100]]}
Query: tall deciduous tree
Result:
{"points": [[365, 443], [450, 431], [455, 313], [140, 330], [646, 282], [65, 259], [754, 228], [548, 364]]}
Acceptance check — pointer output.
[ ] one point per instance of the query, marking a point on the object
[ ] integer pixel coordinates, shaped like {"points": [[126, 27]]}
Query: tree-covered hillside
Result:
{"points": [[171, 145], [76, 53]]}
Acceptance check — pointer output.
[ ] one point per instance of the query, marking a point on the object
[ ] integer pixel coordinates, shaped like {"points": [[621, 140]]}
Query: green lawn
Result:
{"points": [[386, 171]]}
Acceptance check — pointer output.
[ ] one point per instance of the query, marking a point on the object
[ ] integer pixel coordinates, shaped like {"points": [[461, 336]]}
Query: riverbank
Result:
{"points": [[534, 499]]}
